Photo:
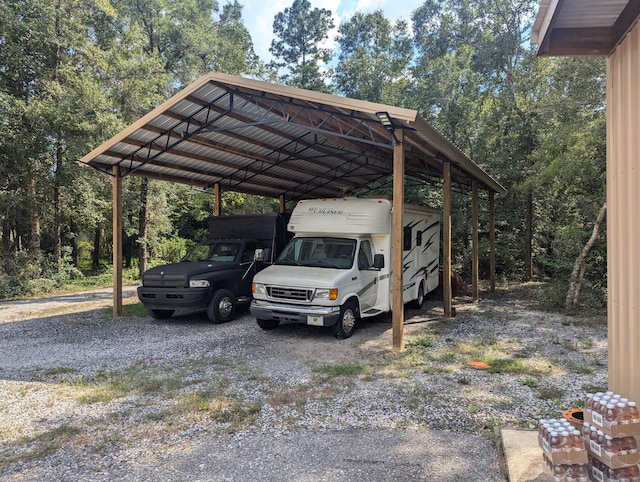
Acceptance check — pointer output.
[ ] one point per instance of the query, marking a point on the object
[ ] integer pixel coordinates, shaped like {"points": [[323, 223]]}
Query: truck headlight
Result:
{"points": [[330, 294], [258, 289], [199, 283]]}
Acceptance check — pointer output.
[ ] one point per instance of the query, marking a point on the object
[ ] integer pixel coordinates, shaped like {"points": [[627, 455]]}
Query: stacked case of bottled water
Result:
{"points": [[563, 451], [610, 432]]}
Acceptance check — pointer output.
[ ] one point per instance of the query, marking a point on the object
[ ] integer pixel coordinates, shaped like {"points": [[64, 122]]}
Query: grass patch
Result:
{"points": [[341, 369], [581, 368], [506, 365], [529, 382], [131, 309], [41, 445], [109, 385], [421, 342], [594, 388], [549, 393]]}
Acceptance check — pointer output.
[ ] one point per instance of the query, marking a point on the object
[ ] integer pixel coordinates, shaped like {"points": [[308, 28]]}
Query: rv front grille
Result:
{"points": [[293, 294]]}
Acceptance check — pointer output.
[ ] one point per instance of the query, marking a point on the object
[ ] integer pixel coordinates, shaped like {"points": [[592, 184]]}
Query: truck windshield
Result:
{"points": [[322, 252], [215, 251]]}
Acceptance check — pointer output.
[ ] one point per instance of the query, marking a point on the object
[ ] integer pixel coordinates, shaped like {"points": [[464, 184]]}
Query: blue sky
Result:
{"points": [[258, 15]]}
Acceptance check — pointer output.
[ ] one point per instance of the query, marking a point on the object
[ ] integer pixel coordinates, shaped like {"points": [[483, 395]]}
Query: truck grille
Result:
{"points": [[164, 280], [289, 293]]}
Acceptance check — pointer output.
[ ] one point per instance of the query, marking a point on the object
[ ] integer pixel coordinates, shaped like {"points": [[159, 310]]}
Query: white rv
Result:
{"points": [[337, 268]]}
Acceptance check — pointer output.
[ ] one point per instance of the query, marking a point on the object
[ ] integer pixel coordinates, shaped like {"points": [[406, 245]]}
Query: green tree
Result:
{"points": [[51, 109], [184, 40], [474, 81], [300, 31], [374, 58]]}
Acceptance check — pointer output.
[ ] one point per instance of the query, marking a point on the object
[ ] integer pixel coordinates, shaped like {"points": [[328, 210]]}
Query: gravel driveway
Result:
{"points": [[84, 396]]}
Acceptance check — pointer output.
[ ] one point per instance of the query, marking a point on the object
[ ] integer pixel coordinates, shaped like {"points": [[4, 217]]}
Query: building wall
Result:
{"points": [[623, 215]]}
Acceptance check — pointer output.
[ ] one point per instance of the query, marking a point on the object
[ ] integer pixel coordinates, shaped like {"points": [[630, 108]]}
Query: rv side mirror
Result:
{"points": [[378, 261], [262, 254]]}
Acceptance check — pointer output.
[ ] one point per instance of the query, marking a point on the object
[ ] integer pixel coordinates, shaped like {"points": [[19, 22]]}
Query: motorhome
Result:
{"points": [[216, 274], [337, 267]]}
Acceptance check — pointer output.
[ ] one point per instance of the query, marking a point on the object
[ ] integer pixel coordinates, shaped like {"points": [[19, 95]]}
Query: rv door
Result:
{"points": [[368, 276]]}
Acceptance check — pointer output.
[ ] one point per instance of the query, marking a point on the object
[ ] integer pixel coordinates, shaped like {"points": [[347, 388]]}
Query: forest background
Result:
{"points": [[75, 72]]}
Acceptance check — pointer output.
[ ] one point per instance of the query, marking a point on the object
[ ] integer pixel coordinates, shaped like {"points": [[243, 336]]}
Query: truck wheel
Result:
{"points": [[222, 306], [417, 303], [345, 325], [268, 324], [161, 314]]}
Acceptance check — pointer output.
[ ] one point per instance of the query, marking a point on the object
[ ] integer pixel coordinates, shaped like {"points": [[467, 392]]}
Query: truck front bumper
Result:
{"points": [[307, 315], [174, 298]]}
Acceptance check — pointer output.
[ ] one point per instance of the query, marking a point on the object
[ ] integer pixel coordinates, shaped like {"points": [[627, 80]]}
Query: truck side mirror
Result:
{"points": [[378, 261], [262, 254]]}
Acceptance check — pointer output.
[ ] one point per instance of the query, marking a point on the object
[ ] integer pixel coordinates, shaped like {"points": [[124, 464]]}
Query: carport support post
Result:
{"points": [[217, 209], [446, 239], [474, 236], [492, 240], [397, 304], [117, 241]]}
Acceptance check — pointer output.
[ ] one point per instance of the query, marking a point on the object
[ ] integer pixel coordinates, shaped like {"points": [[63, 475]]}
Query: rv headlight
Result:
{"points": [[330, 294], [199, 283], [258, 289]]}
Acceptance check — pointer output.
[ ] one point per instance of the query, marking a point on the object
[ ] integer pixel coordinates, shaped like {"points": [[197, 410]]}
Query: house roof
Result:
{"points": [[582, 27], [272, 140]]}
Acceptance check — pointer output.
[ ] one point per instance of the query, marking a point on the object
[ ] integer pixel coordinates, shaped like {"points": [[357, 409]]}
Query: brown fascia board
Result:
{"points": [[593, 41], [578, 42]]}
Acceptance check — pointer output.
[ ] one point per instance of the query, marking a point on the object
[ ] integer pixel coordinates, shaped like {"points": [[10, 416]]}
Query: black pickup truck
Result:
{"points": [[216, 275]]}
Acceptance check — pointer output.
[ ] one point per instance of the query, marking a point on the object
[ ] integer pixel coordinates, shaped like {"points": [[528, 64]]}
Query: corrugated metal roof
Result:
{"points": [[582, 27], [260, 138]]}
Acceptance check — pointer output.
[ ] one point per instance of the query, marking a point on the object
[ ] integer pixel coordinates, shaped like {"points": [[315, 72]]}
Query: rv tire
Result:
{"points": [[161, 314], [346, 323], [222, 307], [417, 303], [268, 324]]}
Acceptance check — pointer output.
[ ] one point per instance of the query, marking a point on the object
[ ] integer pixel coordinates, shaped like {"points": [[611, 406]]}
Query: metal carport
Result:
{"points": [[238, 134]]}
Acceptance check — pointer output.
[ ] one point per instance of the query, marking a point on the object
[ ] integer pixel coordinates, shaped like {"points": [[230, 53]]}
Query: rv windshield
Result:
{"points": [[322, 252], [216, 251]]}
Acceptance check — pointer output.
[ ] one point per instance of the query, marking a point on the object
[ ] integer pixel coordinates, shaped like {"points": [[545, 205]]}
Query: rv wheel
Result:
{"points": [[347, 322], [222, 306], [161, 314], [268, 324], [417, 303]]}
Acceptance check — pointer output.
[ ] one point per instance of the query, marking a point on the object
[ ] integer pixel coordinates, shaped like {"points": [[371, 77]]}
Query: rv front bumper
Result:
{"points": [[307, 315]]}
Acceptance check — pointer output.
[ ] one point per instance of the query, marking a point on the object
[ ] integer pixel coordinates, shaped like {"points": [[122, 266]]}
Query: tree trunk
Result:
{"points": [[6, 235], [75, 235], [33, 242], [142, 231], [95, 255], [528, 237], [57, 205], [579, 267]]}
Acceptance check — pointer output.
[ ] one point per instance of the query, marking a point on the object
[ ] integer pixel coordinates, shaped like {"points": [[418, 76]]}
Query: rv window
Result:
{"points": [[365, 261], [320, 252], [407, 238]]}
